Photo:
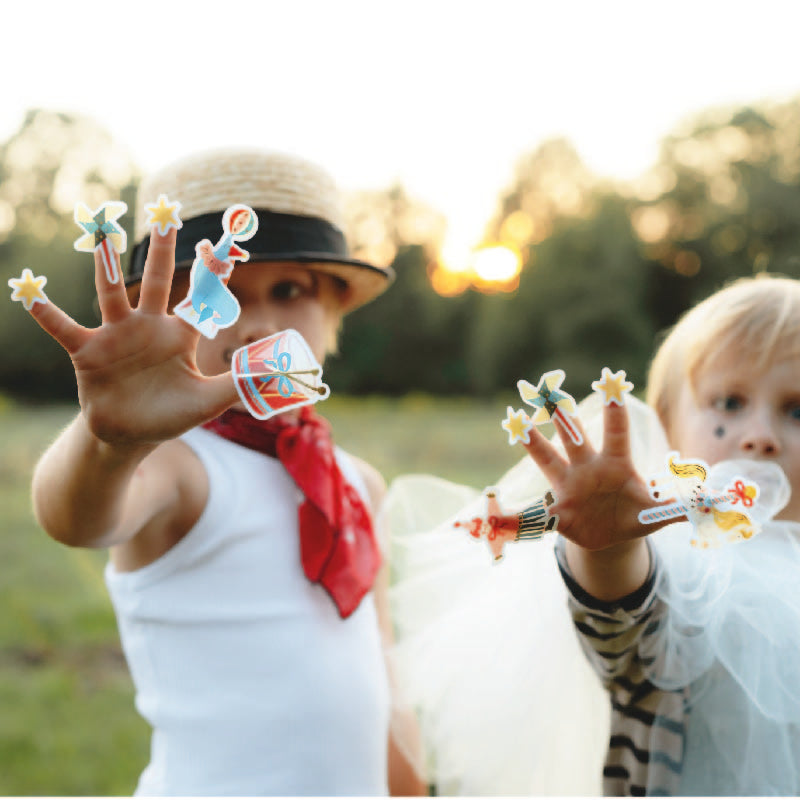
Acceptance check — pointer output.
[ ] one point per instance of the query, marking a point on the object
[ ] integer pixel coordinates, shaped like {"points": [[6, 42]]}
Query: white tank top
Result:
{"points": [[251, 681]]}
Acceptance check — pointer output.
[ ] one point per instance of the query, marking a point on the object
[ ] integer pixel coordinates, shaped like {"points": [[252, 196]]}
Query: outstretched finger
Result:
{"points": [[616, 431], [552, 464], [158, 271], [60, 325], [111, 294], [573, 436]]}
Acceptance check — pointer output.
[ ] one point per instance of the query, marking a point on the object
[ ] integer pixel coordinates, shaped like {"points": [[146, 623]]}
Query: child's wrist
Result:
{"points": [[116, 453]]}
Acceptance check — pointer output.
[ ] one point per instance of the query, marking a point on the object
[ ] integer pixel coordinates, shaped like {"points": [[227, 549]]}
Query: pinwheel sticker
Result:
{"points": [[101, 231], [551, 403]]}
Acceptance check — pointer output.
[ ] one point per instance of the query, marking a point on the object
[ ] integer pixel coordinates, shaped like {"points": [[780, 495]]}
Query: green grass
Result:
{"points": [[67, 722]]}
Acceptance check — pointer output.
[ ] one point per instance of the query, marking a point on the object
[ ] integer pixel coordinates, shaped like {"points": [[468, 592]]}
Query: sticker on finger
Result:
{"points": [[28, 289], [210, 305], [164, 215], [552, 403], [613, 386], [103, 234]]}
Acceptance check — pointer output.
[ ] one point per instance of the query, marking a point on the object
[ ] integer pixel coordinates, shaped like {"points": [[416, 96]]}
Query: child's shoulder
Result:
{"points": [[373, 481]]}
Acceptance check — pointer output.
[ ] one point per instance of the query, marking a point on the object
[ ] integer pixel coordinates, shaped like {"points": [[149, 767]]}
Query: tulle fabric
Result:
{"points": [[487, 655], [733, 637]]}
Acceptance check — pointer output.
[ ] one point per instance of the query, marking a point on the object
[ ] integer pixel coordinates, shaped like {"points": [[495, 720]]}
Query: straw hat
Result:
{"points": [[297, 204]]}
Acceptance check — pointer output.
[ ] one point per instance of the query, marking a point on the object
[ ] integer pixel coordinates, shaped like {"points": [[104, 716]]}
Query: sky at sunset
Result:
{"points": [[441, 96]]}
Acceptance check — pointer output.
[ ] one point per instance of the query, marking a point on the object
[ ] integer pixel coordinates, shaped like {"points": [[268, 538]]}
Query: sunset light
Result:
{"points": [[497, 264], [489, 268]]}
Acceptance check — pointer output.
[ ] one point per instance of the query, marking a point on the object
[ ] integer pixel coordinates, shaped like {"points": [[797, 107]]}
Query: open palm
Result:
{"points": [[137, 377], [599, 493]]}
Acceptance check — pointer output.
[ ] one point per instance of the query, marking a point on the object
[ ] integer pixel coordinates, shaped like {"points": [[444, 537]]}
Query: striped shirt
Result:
{"points": [[646, 748]]}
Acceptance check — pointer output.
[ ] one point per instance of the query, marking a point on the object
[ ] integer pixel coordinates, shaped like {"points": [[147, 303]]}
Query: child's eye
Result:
{"points": [[793, 410], [729, 403], [287, 290]]}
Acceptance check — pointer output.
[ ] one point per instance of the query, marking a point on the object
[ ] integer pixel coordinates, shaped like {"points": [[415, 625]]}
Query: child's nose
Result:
{"points": [[760, 438], [254, 326]]}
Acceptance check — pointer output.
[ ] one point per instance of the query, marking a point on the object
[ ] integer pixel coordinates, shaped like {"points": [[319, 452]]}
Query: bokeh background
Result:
{"points": [[553, 187]]}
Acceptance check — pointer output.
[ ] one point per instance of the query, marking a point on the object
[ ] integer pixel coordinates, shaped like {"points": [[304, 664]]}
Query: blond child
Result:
{"points": [[251, 614], [698, 649]]}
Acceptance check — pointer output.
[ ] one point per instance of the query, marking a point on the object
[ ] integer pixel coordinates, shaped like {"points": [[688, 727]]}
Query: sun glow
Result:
{"points": [[489, 268]]}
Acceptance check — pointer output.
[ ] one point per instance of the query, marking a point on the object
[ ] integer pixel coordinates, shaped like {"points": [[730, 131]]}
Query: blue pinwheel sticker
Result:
{"points": [[102, 232], [551, 402]]}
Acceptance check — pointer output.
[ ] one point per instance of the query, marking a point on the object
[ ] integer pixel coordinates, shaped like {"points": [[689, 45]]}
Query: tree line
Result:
{"points": [[606, 267]]}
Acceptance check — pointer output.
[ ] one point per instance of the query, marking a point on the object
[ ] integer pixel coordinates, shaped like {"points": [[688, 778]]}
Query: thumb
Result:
{"points": [[219, 394]]}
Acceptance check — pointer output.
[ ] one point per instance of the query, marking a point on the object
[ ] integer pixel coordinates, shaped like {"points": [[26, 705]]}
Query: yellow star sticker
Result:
{"points": [[164, 214], [28, 289], [613, 386], [517, 423]]}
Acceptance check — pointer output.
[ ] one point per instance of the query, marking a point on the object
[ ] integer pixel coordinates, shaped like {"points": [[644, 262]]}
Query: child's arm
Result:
{"points": [[112, 473], [403, 778], [599, 496]]}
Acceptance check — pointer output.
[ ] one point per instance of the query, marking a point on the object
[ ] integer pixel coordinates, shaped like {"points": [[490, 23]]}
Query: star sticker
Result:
{"points": [[517, 423], [164, 214], [28, 289], [613, 386]]}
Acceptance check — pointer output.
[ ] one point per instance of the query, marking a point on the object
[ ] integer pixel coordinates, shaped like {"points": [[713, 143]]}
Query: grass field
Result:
{"points": [[67, 722]]}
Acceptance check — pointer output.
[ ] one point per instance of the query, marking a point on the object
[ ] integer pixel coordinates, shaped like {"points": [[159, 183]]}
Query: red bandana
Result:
{"points": [[337, 542]]}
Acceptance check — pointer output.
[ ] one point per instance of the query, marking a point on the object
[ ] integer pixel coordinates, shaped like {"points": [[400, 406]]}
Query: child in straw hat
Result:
{"points": [[243, 568]]}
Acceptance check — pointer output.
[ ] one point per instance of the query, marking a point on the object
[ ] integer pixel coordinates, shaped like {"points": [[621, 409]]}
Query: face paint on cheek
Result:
{"points": [[719, 431]]}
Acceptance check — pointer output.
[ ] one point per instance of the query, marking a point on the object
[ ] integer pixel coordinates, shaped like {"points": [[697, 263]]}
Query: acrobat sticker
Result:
{"points": [[210, 305], [711, 513], [499, 528]]}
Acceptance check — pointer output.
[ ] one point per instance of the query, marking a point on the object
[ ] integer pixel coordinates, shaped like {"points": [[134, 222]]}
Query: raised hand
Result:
{"points": [[138, 381], [598, 493]]}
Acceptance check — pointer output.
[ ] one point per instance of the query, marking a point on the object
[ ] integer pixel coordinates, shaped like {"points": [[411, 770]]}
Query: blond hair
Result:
{"points": [[686, 469], [758, 318]]}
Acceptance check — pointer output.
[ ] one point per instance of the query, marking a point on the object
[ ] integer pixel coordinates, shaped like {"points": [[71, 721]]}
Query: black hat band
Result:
{"points": [[278, 236]]}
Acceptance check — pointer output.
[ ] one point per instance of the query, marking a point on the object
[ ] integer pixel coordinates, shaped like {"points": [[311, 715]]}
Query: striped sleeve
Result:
{"points": [[647, 724]]}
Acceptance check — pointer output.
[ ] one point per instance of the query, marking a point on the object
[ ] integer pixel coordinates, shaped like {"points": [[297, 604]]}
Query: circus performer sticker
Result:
{"points": [[275, 374], [499, 528], [714, 514], [101, 232], [210, 305]]}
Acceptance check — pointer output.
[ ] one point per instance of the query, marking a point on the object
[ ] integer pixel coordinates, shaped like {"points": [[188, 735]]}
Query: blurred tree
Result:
{"points": [[723, 202], [379, 223], [409, 338], [579, 306], [50, 163], [604, 266], [580, 301], [549, 184]]}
